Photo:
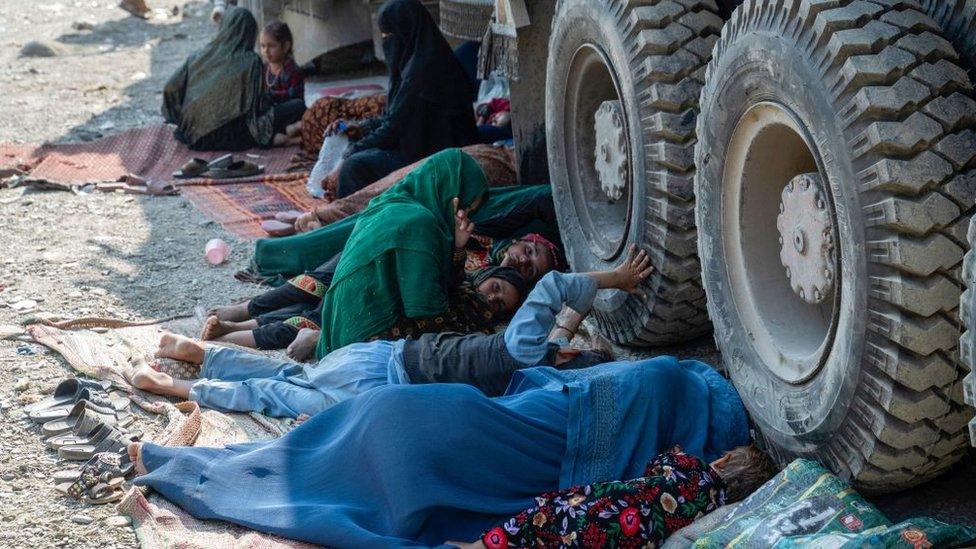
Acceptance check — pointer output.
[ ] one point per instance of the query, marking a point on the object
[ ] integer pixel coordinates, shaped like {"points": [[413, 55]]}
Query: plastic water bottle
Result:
{"points": [[216, 251], [329, 157]]}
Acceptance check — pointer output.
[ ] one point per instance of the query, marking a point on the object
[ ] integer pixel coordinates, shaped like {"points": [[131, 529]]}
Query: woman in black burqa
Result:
{"points": [[430, 105]]}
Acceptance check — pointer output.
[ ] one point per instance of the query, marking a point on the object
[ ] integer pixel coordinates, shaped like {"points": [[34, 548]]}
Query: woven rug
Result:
{"points": [[153, 154], [109, 355], [240, 207]]}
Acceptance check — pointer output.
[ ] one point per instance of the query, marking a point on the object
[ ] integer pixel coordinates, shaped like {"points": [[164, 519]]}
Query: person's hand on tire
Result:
{"points": [[308, 221], [634, 270]]}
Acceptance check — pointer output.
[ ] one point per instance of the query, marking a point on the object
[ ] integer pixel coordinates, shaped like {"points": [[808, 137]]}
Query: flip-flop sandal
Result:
{"points": [[239, 168], [83, 417], [98, 398], [104, 468], [66, 393], [278, 228], [104, 492], [67, 439], [115, 443], [195, 167]]}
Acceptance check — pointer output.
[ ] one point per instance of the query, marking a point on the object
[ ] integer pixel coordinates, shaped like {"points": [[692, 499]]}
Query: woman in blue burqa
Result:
{"points": [[417, 465]]}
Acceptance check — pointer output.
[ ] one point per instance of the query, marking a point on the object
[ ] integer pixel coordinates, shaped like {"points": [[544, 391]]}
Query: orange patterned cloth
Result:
{"points": [[498, 163], [329, 109]]}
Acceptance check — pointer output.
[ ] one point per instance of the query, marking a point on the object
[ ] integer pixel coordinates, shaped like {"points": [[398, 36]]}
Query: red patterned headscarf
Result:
{"points": [[539, 239]]}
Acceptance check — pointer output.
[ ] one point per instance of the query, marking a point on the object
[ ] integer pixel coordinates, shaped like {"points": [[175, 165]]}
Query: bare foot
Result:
{"points": [[215, 328], [304, 345], [280, 140], [233, 313], [302, 418], [180, 347], [294, 130], [135, 456], [160, 383]]}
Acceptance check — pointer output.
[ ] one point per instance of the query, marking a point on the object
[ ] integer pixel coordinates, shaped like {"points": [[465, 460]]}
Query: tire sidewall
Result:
{"points": [[579, 22], [760, 66]]}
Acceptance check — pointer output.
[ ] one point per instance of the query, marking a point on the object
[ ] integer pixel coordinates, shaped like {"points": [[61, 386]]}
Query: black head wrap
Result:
{"points": [[423, 72], [508, 274]]}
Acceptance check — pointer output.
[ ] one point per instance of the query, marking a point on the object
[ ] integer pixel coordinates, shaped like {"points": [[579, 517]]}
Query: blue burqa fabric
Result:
{"points": [[417, 465]]}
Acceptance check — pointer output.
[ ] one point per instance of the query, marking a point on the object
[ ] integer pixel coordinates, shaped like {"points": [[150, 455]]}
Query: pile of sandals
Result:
{"points": [[222, 167], [84, 421]]}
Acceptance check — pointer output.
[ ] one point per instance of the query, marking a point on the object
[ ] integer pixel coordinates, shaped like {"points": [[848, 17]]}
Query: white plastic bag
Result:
{"points": [[329, 157]]}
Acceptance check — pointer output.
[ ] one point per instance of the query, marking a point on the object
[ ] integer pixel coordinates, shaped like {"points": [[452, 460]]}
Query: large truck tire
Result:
{"points": [[622, 87], [835, 180], [967, 341], [958, 21]]}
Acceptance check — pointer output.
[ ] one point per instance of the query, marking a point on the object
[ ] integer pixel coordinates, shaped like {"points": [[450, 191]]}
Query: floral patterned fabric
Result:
{"points": [[329, 109], [675, 490]]}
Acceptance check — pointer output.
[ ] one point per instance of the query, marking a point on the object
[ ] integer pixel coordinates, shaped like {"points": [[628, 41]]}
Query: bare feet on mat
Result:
{"points": [[180, 347], [135, 456], [294, 130], [304, 345], [215, 328], [282, 140], [233, 313], [159, 383]]}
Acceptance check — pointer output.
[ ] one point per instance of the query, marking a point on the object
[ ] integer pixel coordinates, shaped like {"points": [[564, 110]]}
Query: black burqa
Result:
{"points": [[221, 84], [430, 96]]}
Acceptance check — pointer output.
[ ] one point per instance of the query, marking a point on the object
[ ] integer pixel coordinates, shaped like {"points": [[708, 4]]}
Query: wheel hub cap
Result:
{"points": [[807, 238], [611, 149]]}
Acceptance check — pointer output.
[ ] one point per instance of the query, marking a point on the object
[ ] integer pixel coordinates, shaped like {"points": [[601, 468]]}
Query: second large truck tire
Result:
{"points": [[836, 160], [623, 80]]}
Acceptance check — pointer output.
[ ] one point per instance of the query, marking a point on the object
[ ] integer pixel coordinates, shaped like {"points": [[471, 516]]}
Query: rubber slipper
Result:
{"points": [[115, 443], [103, 493], [239, 168], [278, 228], [68, 439], [96, 397], [289, 216], [109, 468], [195, 167], [66, 392], [83, 417]]}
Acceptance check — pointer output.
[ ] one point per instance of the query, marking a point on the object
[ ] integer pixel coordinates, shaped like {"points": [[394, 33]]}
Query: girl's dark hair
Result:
{"points": [[281, 33]]}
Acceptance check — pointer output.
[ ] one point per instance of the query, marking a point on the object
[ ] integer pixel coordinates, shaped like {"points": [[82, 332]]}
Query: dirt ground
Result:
{"points": [[136, 257]]}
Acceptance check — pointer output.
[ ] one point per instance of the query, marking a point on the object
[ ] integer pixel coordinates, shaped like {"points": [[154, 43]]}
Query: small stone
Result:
{"points": [[24, 305], [76, 295], [37, 48], [99, 291], [117, 520], [82, 26], [22, 385], [81, 519], [9, 331], [8, 476], [100, 330]]}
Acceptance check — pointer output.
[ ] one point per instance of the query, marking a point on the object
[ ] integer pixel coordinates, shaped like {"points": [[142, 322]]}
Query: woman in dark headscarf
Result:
{"points": [[430, 100], [215, 97]]}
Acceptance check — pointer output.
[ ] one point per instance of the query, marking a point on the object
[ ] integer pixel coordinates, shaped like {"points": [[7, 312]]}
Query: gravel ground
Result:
{"points": [[100, 254], [137, 257]]}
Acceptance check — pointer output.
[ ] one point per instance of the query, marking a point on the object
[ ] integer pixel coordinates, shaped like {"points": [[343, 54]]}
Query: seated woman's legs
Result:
{"points": [[286, 114], [366, 167]]}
